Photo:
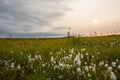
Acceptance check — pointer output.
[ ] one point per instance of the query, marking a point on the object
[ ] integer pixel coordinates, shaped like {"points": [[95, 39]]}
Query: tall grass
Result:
{"points": [[60, 59]]}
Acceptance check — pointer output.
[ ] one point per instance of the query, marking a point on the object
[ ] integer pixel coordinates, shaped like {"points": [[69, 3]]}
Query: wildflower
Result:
{"points": [[61, 64], [117, 60], [106, 65], [73, 72], [86, 63], [60, 77], [21, 53], [55, 67], [94, 67], [44, 64], [86, 68], [78, 62], [89, 75], [92, 56], [78, 70], [119, 67], [90, 67], [50, 53], [18, 67], [43, 71], [72, 50], [81, 56], [52, 59], [40, 57], [98, 53], [34, 70], [29, 56], [12, 65], [36, 57], [83, 72], [11, 51], [113, 64], [31, 66], [70, 55], [109, 68], [48, 78], [101, 63], [86, 54], [83, 49], [92, 63], [112, 76]]}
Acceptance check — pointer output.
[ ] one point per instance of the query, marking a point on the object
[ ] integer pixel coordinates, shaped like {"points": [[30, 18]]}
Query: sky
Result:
{"points": [[55, 16]]}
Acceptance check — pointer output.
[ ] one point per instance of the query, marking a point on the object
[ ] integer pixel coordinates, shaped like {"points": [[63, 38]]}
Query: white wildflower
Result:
{"points": [[36, 57], [117, 60], [40, 57], [48, 78], [60, 76], [78, 63], [44, 64], [112, 76], [34, 70], [51, 53], [11, 51], [18, 66], [90, 67], [61, 64], [86, 54], [106, 65], [85, 63], [86, 68], [52, 59], [113, 64], [55, 67], [98, 53], [78, 70], [72, 50], [109, 68], [12, 65], [89, 75], [83, 49], [101, 63], [119, 67], [21, 53], [81, 56], [43, 71], [94, 67], [70, 55]]}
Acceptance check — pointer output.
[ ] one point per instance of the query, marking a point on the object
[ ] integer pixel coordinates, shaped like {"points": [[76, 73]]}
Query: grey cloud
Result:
{"points": [[60, 28], [23, 15]]}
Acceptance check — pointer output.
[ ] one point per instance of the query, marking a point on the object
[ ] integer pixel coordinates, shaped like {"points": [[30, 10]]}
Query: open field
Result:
{"points": [[92, 58]]}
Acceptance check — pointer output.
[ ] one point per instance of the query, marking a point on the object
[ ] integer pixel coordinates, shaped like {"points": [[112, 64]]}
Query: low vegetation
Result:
{"points": [[92, 58]]}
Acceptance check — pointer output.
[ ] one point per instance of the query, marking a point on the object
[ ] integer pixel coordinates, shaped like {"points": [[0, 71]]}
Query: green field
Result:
{"points": [[89, 58]]}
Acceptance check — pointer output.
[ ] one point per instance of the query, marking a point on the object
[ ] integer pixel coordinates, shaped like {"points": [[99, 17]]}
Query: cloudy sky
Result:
{"points": [[83, 16]]}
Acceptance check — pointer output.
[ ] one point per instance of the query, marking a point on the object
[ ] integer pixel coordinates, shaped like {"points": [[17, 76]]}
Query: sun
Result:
{"points": [[95, 21]]}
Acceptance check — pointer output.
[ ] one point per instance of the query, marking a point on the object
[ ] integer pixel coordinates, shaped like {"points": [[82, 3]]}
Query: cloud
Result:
{"points": [[26, 15], [60, 28]]}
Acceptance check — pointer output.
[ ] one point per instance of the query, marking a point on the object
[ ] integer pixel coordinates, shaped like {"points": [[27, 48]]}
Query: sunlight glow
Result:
{"points": [[95, 21]]}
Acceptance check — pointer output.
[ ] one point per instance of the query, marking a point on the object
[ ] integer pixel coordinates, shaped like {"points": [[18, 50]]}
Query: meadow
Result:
{"points": [[84, 58]]}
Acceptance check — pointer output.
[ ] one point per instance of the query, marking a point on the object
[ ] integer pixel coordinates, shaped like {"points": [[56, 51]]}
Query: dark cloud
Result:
{"points": [[24, 15]]}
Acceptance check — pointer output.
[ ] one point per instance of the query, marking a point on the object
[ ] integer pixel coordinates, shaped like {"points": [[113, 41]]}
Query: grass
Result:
{"points": [[86, 58]]}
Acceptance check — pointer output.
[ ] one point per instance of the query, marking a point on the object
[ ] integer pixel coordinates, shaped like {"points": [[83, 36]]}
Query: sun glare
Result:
{"points": [[95, 21]]}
